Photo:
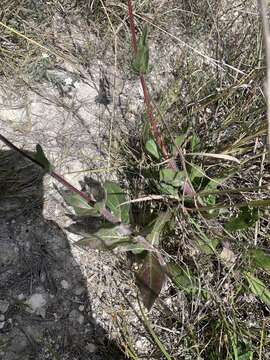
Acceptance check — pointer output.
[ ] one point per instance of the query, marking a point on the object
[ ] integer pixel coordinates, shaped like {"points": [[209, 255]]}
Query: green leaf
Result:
{"points": [[146, 132], [260, 259], [80, 206], [40, 157], [195, 143], [105, 239], [171, 177], [246, 218], [152, 149], [207, 246], [258, 288], [150, 280], [178, 141], [203, 243], [182, 278], [196, 172], [140, 64], [167, 189], [158, 227], [115, 197]]}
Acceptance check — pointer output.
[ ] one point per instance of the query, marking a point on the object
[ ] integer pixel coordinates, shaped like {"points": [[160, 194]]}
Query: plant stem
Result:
{"points": [[89, 198], [149, 109]]}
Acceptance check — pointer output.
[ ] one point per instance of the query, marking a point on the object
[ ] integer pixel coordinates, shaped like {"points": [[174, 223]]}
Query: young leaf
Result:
{"points": [[140, 64], [245, 219], [105, 239], [171, 177], [152, 149], [40, 157], [260, 259], [115, 197], [80, 205], [158, 227], [150, 280], [258, 288]]}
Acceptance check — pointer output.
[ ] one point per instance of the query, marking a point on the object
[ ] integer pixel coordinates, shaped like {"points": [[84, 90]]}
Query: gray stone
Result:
{"points": [[3, 306]]}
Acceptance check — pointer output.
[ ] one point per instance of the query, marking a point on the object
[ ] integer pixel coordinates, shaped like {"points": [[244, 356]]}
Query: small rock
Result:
{"points": [[227, 256], [2, 317], [36, 304], [75, 316], [21, 296], [79, 291], [2, 324], [3, 306], [65, 284], [81, 307], [91, 347]]}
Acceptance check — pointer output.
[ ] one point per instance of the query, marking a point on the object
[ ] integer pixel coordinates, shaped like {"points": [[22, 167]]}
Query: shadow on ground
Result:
{"points": [[45, 312]]}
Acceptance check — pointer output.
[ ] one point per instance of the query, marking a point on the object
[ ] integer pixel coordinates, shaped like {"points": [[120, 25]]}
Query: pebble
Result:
{"points": [[36, 302], [79, 291], [3, 306], [76, 316], [91, 347], [65, 284], [2, 324], [2, 318]]}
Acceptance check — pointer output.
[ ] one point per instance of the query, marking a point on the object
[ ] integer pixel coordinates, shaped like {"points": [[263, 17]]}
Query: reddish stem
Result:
{"points": [[104, 212], [149, 109]]}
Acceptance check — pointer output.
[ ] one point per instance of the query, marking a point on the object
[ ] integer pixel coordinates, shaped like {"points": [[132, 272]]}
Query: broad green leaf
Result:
{"points": [[140, 64], [41, 158], [171, 177], [80, 206], [258, 288], [158, 227], [260, 259], [150, 280], [115, 197], [105, 239], [181, 277], [246, 218], [152, 149]]}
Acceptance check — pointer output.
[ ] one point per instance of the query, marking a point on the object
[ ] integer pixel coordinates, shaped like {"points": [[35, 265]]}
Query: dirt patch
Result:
{"points": [[45, 308]]}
